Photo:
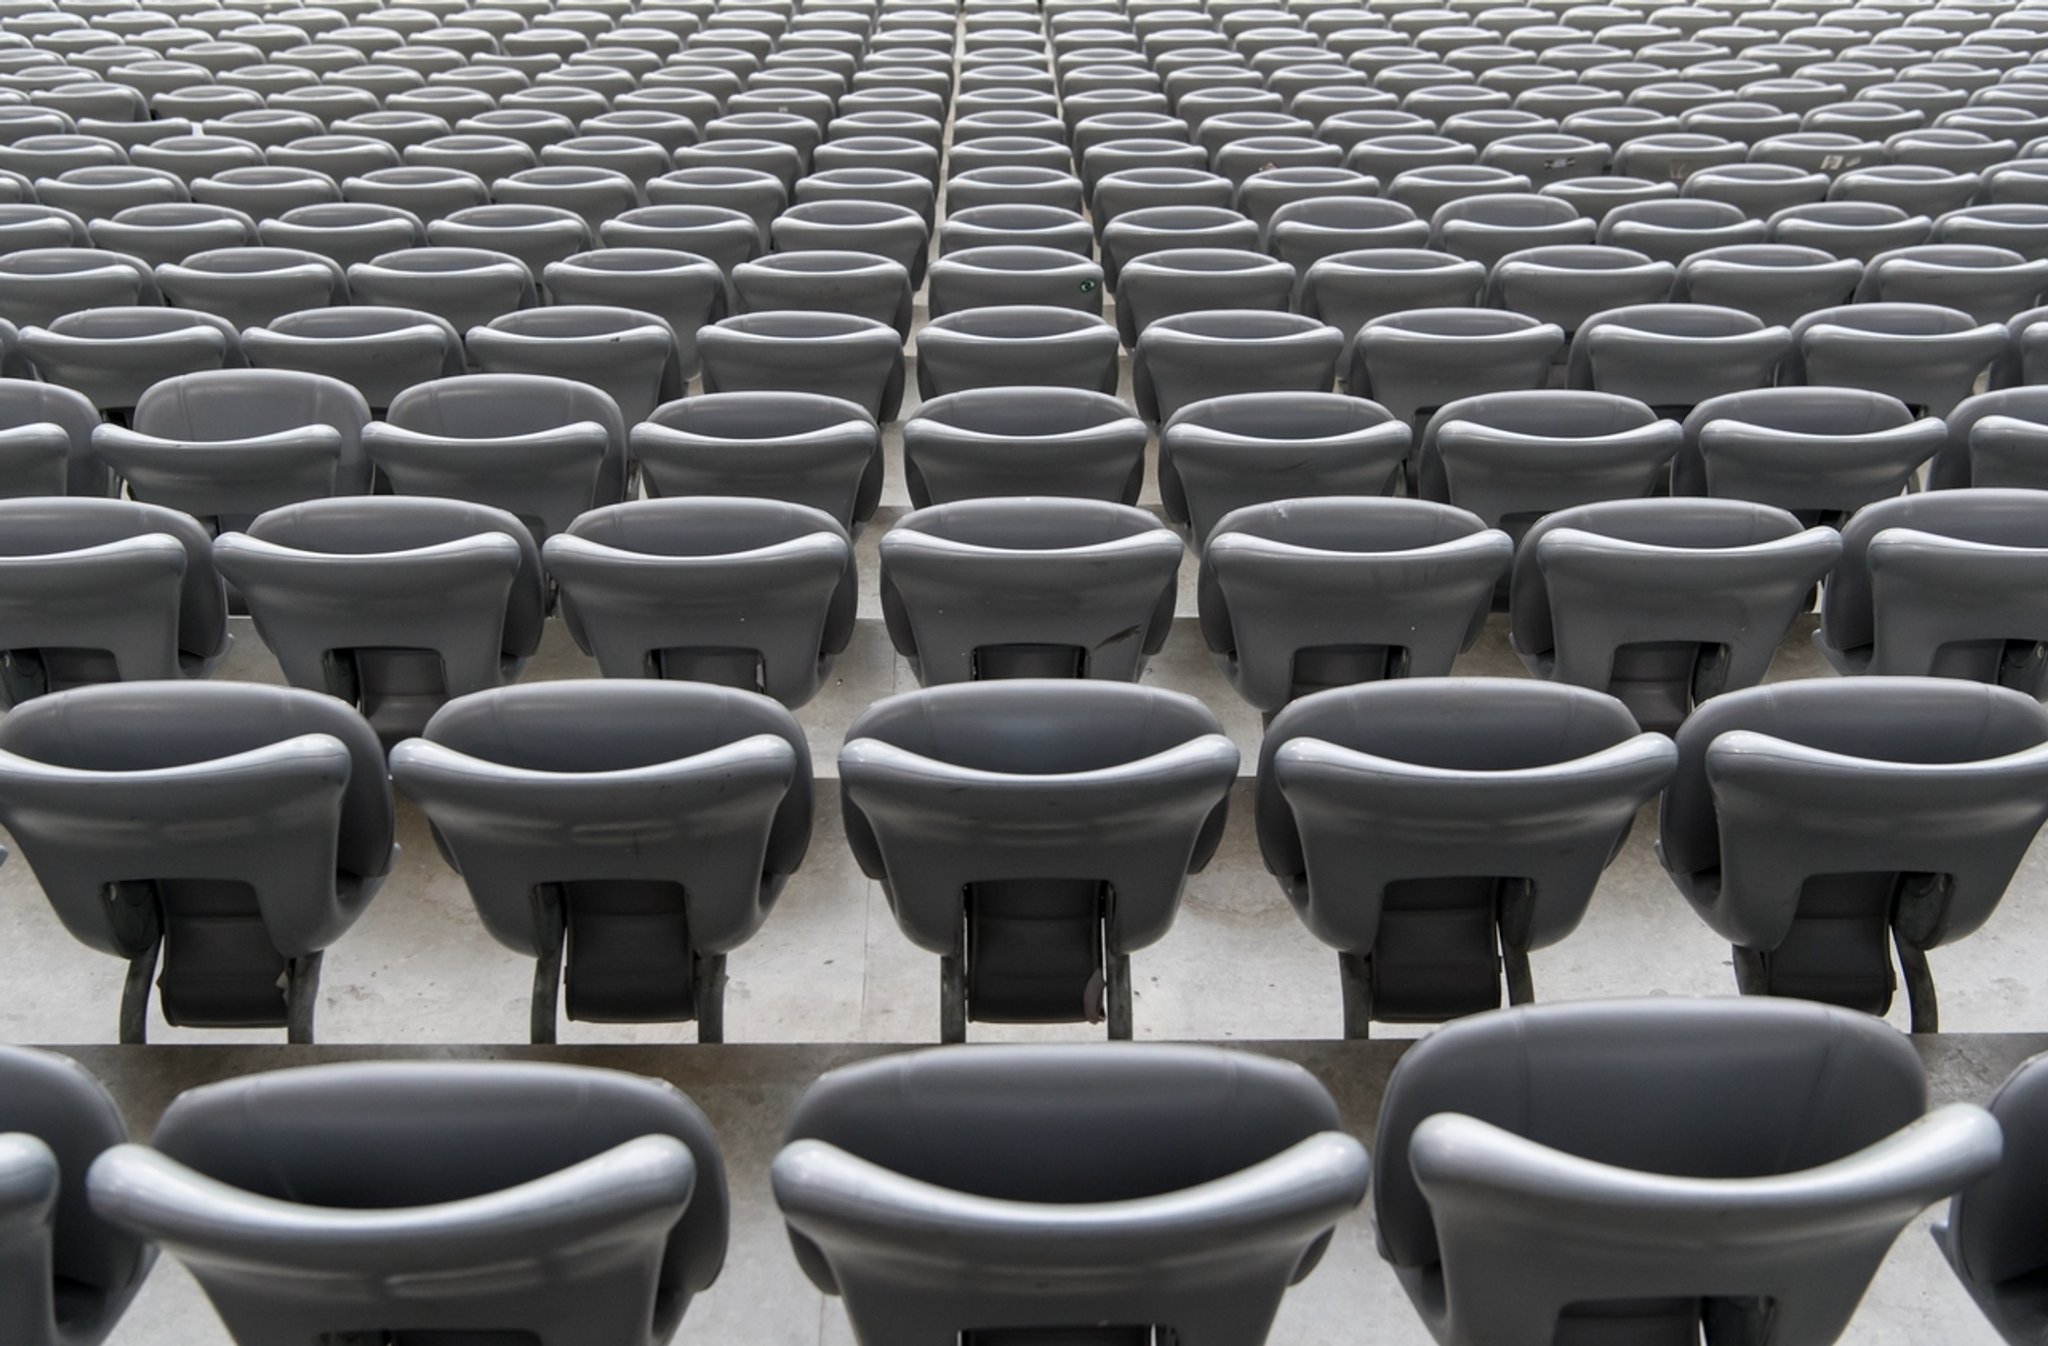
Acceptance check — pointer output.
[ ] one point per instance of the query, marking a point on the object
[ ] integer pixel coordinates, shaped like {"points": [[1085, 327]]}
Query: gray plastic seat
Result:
{"points": [[1822, 453], [626, 835], [627, 354], [346, 231], [2025, 360], [1818, 824], [895, 232], [1435, 830], [1019, 224], [239, 830], [1265, 191], [1013, 274], [253, 286], [429, 192], [46, 441], [1221, 453], [1415, 361], [1992, 1235], [1673, 356], [1988, 283], [378, 351], [1016, 345], [744, 592], [1136, 188], [682, 289], [720, 233], [1917, 189], [1673, 230], [1489, 226], [1994, 439], [114, 355], [1758, 190], [2019, 228], [1926, 355], [1180, 1139], [584, 1205], [1304, 232], [1942, 584], [394, 604], [536, 235], [95, 590], [73, 1274], [465, 287], [1028, 587], [1567, 283], [1858, 229], [542, 448], [863, 284], [1133, 233], [1191, 356], [1301, 594], [226, 444], [166, 233], [259, 192], [1187, 280], [824, 452], [758, 195], [1034, 833], [1777, 282], [1023, 441], [1016, 186], [1663, 602], [1580, 1173], [833, 354], [1350, 289], [40, 285]]}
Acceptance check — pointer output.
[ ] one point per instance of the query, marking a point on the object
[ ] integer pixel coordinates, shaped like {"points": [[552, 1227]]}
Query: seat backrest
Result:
{"points": [[497, 406], [243, 403]]}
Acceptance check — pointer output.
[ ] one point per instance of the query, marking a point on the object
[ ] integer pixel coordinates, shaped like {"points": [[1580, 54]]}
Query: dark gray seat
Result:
{"points": [[1188, 280], [628, 354], [1489, 226], [1994, 439], [465, 287], [545, 449], [1566, 284], [1926, 355], [1204, 1184], [1817, 824], [1028, 587], [71, 1275], [1778, 282], [95, 590], [1133, 233], [1992, 1236], [682, 289], [1672, 230], [1350, 289], [860, 283], [1946, 584], [831, 354], [743, 592], [233, 831], [1296, 595], [1024, 441], [1822, 453], [1034, 833], [581, 1205], [227, 444], [895, 232], [1221, 453], [1663, 602], [824, 452], [1674, 356], [394, 604], [379, 351], [1435, 830], [1605, 1172], [46, 440], [1015, 345], [1301, 233], [1415, 361], [980, 277], [721, 233], [1192, 356], [627, 835]]}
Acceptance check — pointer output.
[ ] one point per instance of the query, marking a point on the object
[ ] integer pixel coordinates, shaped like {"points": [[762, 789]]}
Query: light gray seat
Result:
{"points": [[1023, 441], [536, 235], [1758, 190], [1489, 226], [681, 288], [378, 351], [1926, 355], [394, 604], [1301, 233], [1300, 594], [1034, 833], [1917, 189], [114, 355], [1674, 229], [1028, 587], [1822, 453], [227, 444], [465, 287], [1992, 1236], [1416, 361], [863, 180], [744, 592], [232, 830], [753, 192], [252, 286], [1016, 345], [832, 354], [1133, 233], [1777, 282], [346, 231], [824, 452], [1602, 1172], [46, 440], [96, 590], [1435, 830], [1675, 356], [2019, 228], [860, 283], [626, 835], [542, 448], [1191, 356], [1350, 289], [1662, 602], [1221, 453], [725, 235], [1994, 439], [1943, 584], [165, 233], [1988, 283], [1567, 283], [2025, 360], [628, 354], [1049, 1239], [40, 285], [582, 1205], [982, 277], [1814, 823], [71, 1274], [1858, 229], [428, 191], [1188, 280]]}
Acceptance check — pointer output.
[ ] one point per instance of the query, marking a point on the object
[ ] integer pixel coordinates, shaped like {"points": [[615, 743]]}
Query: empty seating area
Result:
{"points": [[724, 549]]}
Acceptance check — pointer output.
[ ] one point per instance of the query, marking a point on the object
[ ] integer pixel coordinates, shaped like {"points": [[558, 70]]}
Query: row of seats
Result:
{"points": [[1032, 833], [1564, 1173]]}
